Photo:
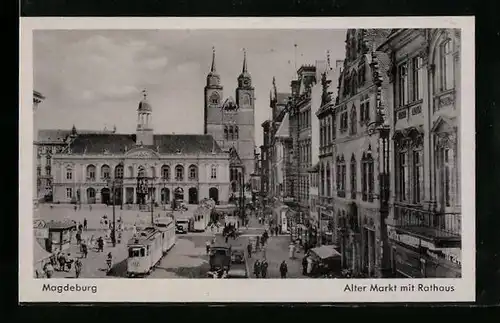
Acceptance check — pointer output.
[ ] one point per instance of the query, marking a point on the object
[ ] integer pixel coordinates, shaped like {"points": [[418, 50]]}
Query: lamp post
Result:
{"points": [[113, 183], [383, 130]]}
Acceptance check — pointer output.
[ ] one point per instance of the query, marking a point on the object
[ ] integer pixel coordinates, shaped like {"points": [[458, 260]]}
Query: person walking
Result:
{"points": [[264, 266], [48, 269], [78, 267], [283, 269], [304, 266], [207, 246], [256, 268], [85, 250], [85, 224], [100, 244], [249, 249]]}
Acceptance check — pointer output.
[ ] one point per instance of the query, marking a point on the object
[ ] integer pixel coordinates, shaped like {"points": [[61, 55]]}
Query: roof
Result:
{"points": [[283, 128], [163, 144], [326, 252], [60, 135], [65, 224], [144, 105]]}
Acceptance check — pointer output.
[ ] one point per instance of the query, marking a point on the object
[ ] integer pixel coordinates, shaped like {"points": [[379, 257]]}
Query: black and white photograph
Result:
{"points": [[291, 156]]}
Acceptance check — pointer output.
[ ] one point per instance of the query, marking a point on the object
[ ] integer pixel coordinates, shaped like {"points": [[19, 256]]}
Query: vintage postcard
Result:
{"points": [[247, 160]]}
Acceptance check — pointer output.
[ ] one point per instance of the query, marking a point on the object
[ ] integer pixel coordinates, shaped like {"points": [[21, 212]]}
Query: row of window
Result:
{"points": [[305, 152], [366, 166], [354, 80], [304, 119], [231, 132], [349, 119], [165, 172]]}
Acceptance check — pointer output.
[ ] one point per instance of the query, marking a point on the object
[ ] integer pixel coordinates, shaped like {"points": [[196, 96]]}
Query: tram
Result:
{"points": [[147, 248], [166, 226]]}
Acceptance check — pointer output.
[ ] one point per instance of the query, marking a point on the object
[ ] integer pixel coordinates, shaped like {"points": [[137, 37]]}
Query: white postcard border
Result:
{"points": [[268, 290]]}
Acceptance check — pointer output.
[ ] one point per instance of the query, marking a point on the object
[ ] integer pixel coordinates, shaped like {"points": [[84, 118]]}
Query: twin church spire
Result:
{"points": [[244, 79]]}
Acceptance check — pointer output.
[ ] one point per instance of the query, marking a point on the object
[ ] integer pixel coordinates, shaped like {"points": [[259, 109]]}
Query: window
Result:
{"points": [[119, 171], [329, 130], [105, 172], [48, 170], [245, 100], [328, 182], [354, 125], [213, 172], [236, 134], [322, 179], [226, 133], [447, 72], [165, 172], [343, 119], [141, 172], [91, 172], [39, 171], [447, 175], [230, 135], [341, 176], [354, 86], [214, 98], [69, 173], [69, 192], [403, 84], [179, 173], [334, 126], [353, 177], [193, 174], [153, 172], [362, 74], [131, 171], [364, 109], [402, 175], [417, 78], [417, 173], [48, 159], [367, 177]]}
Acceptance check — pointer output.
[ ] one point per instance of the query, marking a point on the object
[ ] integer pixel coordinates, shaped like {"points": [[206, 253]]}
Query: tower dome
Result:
{"points": [[144, 105]]}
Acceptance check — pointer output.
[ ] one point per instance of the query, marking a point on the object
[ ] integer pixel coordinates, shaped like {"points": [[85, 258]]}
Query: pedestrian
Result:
{"points": [[304, 266], [62, 261], [80, 227], [79, 239], [85, 224], [291, 249], [100, 245], [249, 249], [263, 269], [256, 268], [90, 207], [92, 242], [109, 262], [84, 250], [75, 207], [207, 246], [68, 261], [48, 269], [309, 265], [283, 269], [78, 268], [134, 230]]}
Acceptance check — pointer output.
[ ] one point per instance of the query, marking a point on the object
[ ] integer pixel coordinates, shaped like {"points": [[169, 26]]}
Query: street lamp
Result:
{"points": [[379, 126], [113, 183]]}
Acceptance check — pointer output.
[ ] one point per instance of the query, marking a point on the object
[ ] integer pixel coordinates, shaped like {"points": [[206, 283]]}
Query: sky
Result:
{"points": [[93, 78]]}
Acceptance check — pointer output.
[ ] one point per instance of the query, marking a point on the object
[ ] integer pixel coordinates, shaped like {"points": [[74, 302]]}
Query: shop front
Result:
{"points": [[412, 257]]}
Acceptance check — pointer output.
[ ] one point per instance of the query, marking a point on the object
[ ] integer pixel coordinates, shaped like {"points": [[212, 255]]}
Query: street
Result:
{"points": [[187, 259]]}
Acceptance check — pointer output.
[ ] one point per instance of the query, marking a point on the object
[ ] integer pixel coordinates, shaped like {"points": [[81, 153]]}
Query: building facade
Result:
{"points": [[356, 163], [230, 121], [424, 225], [140, 168], [37, 99], [326, 153]]}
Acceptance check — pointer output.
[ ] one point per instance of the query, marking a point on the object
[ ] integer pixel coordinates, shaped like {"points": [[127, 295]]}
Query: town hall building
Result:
{"points": [[141, 167]]}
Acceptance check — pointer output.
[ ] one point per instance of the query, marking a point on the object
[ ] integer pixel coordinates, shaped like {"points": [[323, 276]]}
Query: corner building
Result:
{"points": [[187, 167], [424, 225]]}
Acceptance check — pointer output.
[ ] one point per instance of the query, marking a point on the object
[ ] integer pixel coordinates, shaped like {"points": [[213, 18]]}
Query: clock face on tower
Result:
{"points": [[246, 82]]}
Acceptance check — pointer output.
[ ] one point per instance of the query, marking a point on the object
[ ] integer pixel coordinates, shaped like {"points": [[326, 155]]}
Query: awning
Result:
{"points": [[325, 252], [39, 254]]}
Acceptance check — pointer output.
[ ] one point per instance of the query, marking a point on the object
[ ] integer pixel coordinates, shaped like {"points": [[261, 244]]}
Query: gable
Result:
{"points": [[442, 124], [144, 153]]}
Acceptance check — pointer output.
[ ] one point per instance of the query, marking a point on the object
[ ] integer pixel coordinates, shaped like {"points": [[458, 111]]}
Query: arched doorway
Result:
{"points": [[165, 195], [193, 195], [90, 195], [213, 193], [179, 194], [105, 196]]}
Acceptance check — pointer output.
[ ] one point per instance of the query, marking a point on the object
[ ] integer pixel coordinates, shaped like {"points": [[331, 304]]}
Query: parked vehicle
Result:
{"points": [[220, 257], [238, 255], [326, 261]]}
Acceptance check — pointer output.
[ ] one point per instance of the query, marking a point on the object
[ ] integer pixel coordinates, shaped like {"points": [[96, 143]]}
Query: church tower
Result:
{"points": [[213, 101], [144, 130], [231, 121], [245, 99]]}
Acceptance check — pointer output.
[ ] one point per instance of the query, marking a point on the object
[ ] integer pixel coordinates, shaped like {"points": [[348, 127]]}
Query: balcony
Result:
{"points": [[442, 229]]}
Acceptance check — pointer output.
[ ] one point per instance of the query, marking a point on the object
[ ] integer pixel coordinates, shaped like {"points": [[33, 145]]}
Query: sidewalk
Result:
{"points": [[276, 251]]}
